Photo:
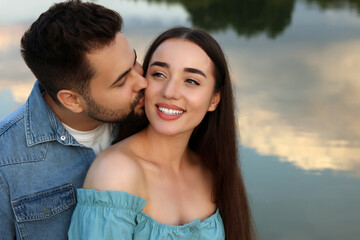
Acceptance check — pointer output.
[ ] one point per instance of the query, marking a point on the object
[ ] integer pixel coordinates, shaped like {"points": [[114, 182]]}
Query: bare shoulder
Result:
{"points": [[116, 169]]}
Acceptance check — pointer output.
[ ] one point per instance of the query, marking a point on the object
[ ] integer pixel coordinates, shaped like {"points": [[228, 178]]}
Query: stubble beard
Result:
{"points": [[105, 115]]}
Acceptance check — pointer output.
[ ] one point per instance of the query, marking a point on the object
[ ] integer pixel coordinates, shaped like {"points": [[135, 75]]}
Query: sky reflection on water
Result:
{"points": [[298, 97], [297, 93]]}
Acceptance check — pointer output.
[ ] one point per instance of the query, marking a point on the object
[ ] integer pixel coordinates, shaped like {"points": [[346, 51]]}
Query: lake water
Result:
{"points": [[295, 66]]}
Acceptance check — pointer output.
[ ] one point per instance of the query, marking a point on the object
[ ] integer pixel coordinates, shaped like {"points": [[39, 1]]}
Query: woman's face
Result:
{"points": [[181, 87]]}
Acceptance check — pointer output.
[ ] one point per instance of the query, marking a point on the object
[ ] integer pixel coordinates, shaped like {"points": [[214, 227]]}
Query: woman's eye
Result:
{"points": [[158, 75], [192, 82]]}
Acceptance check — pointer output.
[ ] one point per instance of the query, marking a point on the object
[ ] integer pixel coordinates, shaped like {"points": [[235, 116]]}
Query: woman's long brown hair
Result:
{"points": [[215, 139]]}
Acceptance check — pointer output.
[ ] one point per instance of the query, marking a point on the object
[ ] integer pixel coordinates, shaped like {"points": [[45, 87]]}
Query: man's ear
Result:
{"points": [[71, 100], [214, 101]]}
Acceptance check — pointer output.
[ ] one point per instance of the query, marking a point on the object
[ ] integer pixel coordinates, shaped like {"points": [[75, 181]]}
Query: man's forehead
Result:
{"points": [[111, 64], [118, 50]]}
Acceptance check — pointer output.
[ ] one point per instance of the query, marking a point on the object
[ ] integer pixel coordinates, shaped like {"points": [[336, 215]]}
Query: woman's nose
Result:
{"points": [[171, 90]]}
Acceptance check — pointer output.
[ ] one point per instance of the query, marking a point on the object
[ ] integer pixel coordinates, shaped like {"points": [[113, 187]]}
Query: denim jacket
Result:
{"points": [[41, 166]]}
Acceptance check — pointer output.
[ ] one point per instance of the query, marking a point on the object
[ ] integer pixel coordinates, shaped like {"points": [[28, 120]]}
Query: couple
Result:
{"points": [[175, 177]]}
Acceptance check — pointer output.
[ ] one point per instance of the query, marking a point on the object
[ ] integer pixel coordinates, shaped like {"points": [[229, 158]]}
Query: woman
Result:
{"points": [[178, 178]]}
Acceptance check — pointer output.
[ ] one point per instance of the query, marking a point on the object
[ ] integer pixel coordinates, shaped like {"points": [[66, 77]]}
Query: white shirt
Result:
{"points": [[98, 139]]}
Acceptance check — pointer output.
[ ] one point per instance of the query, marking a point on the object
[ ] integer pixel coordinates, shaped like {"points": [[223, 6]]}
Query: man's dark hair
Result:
{"points": [[56, 44]]}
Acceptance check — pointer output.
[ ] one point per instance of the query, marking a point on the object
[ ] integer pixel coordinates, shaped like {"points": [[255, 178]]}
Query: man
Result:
{"points": [[88, 80]]}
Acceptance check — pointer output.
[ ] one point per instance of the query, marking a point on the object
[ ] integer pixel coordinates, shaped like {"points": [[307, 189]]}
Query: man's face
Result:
{"points": [[116, 90]]}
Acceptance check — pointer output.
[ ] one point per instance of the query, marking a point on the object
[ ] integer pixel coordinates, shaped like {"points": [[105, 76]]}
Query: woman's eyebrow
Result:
{"points": [[187, 69], [160, 64], [195, 70]]}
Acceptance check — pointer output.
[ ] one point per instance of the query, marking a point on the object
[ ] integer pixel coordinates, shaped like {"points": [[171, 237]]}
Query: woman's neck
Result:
{"points": [[170, 152]]}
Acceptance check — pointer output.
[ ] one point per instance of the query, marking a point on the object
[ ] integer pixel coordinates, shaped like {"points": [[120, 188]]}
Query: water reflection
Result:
{"points": [[337, 4], [298, 100], [247, 17], [250, 18], [16, 79], [311, 122], [291, 204]]}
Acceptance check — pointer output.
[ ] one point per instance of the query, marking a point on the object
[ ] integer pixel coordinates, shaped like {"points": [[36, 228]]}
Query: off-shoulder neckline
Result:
{"points": [[142, 201]]}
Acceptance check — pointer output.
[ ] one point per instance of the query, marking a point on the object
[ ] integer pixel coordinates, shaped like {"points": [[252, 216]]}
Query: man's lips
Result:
{"points": [[142, 102], [140, 99]]}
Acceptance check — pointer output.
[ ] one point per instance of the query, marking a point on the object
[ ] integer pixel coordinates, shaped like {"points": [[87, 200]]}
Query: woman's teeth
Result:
{"points": [[170, 111]]}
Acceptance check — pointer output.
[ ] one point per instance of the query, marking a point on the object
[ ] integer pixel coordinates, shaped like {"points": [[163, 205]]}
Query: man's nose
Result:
{"points": [[141, 82]]}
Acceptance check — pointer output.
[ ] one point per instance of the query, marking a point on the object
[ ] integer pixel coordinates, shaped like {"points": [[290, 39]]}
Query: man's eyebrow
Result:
{"points": [[195, 70], [126, 72], [160, 64], [135, 57]]}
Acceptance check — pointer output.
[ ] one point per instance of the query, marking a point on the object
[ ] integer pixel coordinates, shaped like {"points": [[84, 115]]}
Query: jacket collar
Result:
{"points": [[41, 123]]}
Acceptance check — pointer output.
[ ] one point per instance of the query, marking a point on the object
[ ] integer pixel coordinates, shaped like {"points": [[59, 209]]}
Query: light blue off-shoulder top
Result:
{"points": [[118, 215]]}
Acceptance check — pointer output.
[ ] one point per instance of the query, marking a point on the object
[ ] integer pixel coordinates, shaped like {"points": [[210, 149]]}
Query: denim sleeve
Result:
{"points": [[7, 227]]}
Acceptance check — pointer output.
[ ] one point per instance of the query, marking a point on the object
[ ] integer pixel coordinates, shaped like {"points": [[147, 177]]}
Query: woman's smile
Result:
{"points": [[169, 112]]}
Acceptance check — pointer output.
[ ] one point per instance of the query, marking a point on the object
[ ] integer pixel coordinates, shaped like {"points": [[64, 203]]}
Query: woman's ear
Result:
{"points": [[214, 102], [71, 100]]}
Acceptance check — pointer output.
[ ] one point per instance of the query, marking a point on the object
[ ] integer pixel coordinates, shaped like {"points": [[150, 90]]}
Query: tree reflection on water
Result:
{"points": [[250, 17]]}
